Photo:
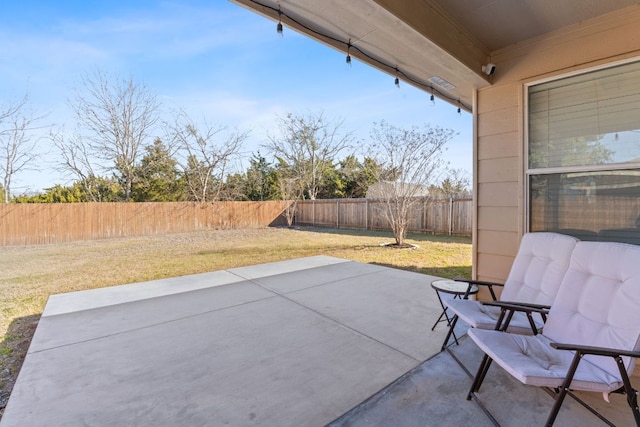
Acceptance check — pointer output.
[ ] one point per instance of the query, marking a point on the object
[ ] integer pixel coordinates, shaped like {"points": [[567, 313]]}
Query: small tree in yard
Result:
{"points": [[290, 189], [409, 160], [309, 145]]}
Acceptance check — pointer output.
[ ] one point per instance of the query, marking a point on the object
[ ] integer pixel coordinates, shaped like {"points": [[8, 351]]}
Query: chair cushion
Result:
{"points": [[533, 361], [538, 269], [478, 315], [598, 303]]}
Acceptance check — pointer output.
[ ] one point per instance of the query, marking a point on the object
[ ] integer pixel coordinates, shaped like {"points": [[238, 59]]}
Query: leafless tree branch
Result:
{"points": [[309, 145], [410, 160], [17, 143], [118, 116], [207, 152]]}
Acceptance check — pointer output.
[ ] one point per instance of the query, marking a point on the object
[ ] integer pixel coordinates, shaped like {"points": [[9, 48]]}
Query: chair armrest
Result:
{"points": [[507, 310], [478, 282], [517, 306], [527, 304], [597, 351], [490, 285]]}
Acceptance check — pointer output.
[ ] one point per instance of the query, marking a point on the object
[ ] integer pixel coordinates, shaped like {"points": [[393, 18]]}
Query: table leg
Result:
{"points": [[446, 316], [444, 311]]}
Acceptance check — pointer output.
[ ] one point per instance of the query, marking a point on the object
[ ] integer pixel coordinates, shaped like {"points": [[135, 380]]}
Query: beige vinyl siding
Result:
{"points": [[503, 169], [499, 144], [498, 218], [500, 265]]}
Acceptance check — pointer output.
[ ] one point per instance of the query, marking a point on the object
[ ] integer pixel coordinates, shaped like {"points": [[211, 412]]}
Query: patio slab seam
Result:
{"points": [[154, 325], [318, 285], [338, 322]]}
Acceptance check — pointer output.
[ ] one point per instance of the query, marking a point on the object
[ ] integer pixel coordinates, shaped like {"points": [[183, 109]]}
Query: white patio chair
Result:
{"points": [[592, 334], [536, 273]]}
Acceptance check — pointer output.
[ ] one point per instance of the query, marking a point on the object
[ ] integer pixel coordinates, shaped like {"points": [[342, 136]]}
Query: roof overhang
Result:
{"points": [[412, 39], [439, 46]]}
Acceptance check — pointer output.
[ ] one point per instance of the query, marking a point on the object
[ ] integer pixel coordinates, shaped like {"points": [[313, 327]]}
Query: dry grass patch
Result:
{"points": [[30, 274]]}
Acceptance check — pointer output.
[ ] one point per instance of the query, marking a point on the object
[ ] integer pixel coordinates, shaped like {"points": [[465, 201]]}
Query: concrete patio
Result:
{"points": [[312, 341]]}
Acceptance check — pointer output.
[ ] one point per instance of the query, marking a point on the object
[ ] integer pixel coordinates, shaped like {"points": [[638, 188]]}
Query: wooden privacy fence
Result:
{"points": [[39, 223], [446, 216]]}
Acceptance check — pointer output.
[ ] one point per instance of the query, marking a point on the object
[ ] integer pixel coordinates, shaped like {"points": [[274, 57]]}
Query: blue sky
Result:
{"points": [[212, 58]]}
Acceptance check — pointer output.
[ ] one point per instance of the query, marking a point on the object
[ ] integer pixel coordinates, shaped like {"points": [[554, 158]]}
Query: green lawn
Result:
{"points": [[30, 274]]}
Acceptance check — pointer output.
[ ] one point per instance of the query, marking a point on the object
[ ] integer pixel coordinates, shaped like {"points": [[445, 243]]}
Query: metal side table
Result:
{"points": [[451, 287]]}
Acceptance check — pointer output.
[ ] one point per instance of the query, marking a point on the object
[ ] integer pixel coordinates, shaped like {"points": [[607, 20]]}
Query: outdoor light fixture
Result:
{"points": [[348, 54], [397, 81], [279, 27], [459, 110]]}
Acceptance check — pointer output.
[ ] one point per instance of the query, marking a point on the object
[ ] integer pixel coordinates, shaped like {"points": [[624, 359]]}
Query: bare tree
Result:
{"points": [[119, 116], [456, 182], [309, 145], [76, 159], [410, 160], [208, 151], [290, 189], [17, 144]]}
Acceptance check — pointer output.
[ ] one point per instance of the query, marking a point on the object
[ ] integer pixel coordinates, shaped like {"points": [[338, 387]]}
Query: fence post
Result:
{"points": [[424, 214], [366, 214], [338, 213], [313, 212], [450, 215]]}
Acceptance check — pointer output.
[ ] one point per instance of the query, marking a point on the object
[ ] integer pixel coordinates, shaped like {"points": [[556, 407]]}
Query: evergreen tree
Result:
{"points": [[157, 178], [261, 180]]}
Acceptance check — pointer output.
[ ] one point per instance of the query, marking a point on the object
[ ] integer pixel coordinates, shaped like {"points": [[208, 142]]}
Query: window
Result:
{"points": [[583, 155]]}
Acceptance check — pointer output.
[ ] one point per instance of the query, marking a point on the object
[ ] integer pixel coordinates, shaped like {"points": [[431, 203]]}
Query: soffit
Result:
{"points": [[501, 23]]}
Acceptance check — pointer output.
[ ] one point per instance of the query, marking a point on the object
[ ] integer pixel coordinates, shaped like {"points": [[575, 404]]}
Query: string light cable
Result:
{"points": [[349, 47]]}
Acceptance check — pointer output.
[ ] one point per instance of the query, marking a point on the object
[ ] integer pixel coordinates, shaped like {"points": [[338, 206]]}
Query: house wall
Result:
{"points": [[500, 132]]}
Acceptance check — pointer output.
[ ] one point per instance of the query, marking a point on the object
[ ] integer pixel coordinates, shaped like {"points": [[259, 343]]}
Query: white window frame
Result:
{"points": [[528, 172]]}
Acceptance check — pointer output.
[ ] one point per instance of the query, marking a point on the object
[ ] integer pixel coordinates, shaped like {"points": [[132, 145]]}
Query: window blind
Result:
{"points": [[590, 119]]}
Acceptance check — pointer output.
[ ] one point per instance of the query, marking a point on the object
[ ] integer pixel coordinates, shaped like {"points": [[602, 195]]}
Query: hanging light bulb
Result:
{"points": [[459, 110], [279, 27], [432, 98], [397, 80], [348, 53]]}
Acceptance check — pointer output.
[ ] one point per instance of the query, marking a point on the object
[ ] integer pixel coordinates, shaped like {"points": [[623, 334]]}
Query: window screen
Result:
{"points": [[589, 205]]}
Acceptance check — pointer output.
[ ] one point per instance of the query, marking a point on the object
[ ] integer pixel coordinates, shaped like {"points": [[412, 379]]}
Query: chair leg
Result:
{"points": [[505, 324], [498, 326], [534, 329], [564, 389], [454, 320], [484, 372], [632, 394], [479, 378]]}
